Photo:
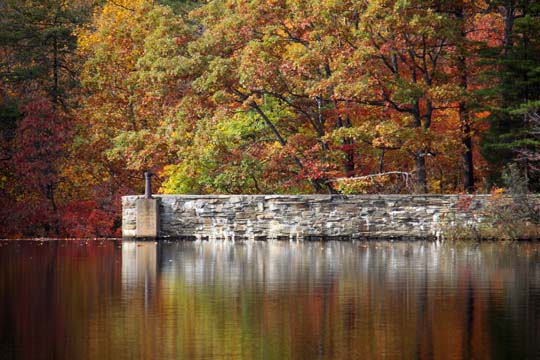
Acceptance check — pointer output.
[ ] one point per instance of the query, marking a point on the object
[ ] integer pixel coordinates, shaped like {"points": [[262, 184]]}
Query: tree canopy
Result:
{"points": [[234, 96]]}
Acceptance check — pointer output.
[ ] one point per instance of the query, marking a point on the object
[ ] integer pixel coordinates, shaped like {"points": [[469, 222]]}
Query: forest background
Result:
{"points": [[258, 96]]}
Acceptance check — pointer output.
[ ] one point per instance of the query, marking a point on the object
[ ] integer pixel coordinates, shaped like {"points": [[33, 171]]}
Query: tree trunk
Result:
{"points": [[56, 92], [419, 156], [349, 151], [466, 137], [509, 17], [420, 172]]}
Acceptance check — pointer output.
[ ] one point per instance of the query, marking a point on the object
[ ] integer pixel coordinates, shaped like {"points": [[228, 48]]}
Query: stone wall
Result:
{"points": [[305, 216]]}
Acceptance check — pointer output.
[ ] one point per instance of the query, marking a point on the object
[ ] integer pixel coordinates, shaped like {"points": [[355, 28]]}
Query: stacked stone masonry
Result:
{"points": [[305, 217]]}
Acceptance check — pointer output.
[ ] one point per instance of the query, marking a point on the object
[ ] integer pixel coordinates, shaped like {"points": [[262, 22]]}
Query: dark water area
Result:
{"points": [[269, 300]]}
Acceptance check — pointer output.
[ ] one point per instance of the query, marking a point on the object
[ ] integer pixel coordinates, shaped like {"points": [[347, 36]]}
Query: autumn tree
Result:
{"points": [[121, 107], [240, 63], [349, 79], [399, 61], [38, 68], [257, 96], [35, 159]]}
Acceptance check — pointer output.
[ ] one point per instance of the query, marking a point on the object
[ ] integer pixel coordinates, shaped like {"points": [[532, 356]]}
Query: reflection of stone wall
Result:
{"points": [[138, 264], [306, 216]]}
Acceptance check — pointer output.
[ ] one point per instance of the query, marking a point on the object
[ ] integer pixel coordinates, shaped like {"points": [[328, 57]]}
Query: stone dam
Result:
{"points": [[296, 217]]}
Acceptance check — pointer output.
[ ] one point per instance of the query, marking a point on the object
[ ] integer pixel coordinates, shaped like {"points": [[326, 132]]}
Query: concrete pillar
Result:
{"points": [[147, 213]]}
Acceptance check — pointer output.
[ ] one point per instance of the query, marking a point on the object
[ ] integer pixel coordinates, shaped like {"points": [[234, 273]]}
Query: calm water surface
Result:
{"points": [[269, 300]]}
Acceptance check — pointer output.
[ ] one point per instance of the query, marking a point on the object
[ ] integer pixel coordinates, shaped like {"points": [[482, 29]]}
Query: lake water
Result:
{"points": [[269, 300]]}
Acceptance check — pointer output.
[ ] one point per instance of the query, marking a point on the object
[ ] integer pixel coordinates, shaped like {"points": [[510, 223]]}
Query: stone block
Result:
{"points": [[147, 218]]}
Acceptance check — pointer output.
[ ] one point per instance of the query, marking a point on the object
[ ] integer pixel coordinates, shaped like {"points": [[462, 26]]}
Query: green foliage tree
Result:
{"points": [[514, 98], [38, 45]]}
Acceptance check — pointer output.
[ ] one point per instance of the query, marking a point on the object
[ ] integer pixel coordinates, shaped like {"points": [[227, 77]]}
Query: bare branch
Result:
{"points": [[372, 176]]}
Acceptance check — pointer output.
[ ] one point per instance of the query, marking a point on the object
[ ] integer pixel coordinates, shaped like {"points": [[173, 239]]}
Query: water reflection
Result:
{"points": [[272, 300], [139, 269]]}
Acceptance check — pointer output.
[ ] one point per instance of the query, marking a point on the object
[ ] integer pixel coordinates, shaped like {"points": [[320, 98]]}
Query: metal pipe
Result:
{"points": [[148, 185]]}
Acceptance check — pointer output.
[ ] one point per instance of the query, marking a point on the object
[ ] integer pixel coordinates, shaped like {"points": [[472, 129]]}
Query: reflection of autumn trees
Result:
{"points": [[51, 293], [338, 301], [275, 300]]}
